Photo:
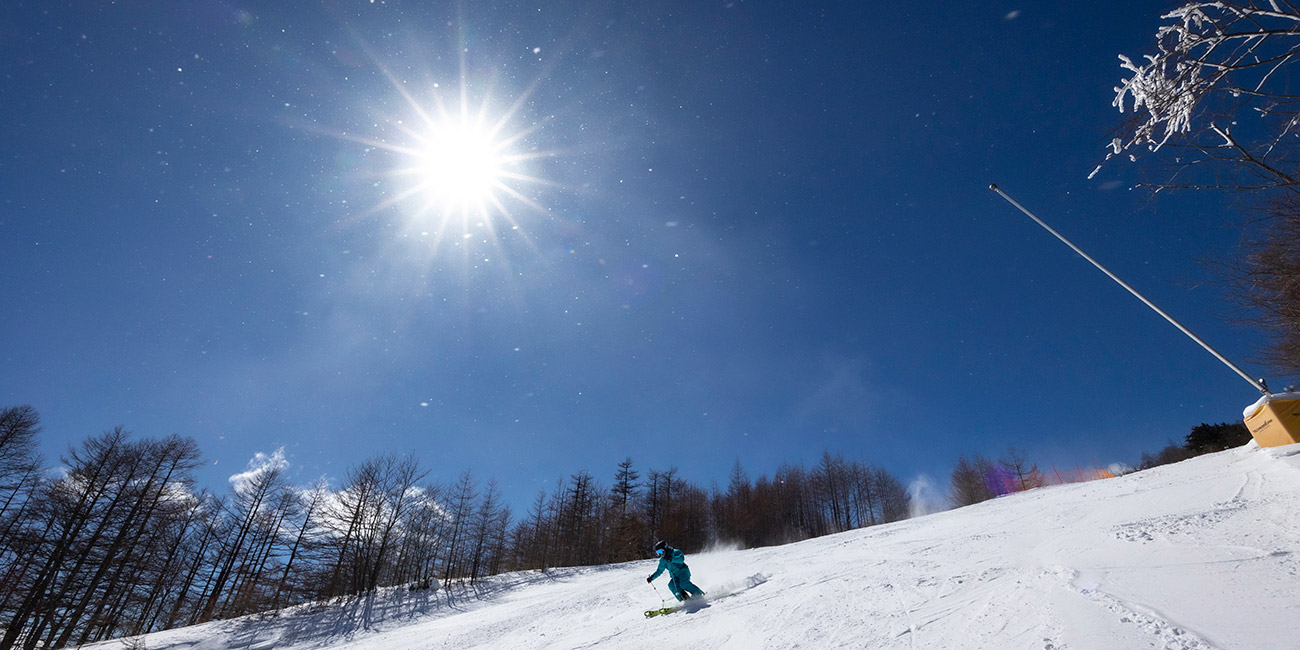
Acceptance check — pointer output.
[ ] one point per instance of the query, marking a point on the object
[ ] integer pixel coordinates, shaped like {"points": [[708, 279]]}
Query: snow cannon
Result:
{"points": [[1274, 420]]}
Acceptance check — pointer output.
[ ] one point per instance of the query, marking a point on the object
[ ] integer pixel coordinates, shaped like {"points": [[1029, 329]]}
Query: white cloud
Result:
{"points": [[259, 463]]}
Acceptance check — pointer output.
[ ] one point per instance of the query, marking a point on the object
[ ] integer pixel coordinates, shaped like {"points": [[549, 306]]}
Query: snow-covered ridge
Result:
{"points": [[1202, 554]]}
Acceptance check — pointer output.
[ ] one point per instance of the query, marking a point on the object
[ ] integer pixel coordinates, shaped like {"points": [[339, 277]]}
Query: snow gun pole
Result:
{"points": [[1258, 384]]}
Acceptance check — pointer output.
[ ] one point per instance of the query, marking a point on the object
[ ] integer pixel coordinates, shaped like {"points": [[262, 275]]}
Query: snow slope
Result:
{"points": [[1201, 554]]}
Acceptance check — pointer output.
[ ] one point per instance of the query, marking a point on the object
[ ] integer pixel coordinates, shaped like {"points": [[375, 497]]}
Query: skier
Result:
{"points": [[679, 575]]}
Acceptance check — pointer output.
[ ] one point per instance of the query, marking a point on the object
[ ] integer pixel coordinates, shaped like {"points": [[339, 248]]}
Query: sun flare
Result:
{"points": [[459, 166], [458, 170]]}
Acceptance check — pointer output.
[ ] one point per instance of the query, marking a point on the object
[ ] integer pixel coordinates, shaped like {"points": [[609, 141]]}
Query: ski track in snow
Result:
{"points": [[1201, 555]]}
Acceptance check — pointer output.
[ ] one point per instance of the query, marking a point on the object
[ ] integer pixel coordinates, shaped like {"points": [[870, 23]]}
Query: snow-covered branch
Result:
{"points": [[1217, 63]]}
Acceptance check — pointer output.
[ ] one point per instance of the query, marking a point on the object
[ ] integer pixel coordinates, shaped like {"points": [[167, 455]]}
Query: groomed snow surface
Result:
{"points": [[1201, 554]]}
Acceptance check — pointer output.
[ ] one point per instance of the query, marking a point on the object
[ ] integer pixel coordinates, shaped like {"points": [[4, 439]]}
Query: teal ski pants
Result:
{"points": [[682, 587]]}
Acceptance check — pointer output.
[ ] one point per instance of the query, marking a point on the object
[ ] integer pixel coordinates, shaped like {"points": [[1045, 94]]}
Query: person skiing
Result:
{"points": [[673, 561]]}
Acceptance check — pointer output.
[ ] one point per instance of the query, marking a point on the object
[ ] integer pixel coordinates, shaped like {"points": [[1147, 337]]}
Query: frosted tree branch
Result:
{"points": [[1217, 63]]}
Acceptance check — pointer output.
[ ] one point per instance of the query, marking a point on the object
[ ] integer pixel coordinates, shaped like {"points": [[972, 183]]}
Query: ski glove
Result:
{"points": [[649, 580]]}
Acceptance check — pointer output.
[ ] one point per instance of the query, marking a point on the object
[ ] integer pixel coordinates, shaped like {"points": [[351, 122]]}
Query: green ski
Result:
{"points": [[651, 613]]}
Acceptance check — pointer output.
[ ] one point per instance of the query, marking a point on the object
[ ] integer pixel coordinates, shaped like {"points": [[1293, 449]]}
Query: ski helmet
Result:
{"points": [[660, 546]]}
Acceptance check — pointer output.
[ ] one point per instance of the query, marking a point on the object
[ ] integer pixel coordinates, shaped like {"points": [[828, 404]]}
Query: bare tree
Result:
{"points": [[312, 502], [254, 494], [19, 461], [799, 516], [1266, 283], [485, 522], [662, 489], [653, 506], [579, 521], [101, 533], [628, 535], [1025, 472], [895, 500], [532, 535], [691, 516], [19, 479], [164, 477], [459, 507], [347, 520], [77, 512], [368, 519], [423, 531], [832, 481], [400, 476], [195, 550], [968, 484], [737, 516]]}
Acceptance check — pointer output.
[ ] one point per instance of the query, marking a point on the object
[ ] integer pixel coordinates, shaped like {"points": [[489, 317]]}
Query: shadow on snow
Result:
{"points": [[347, 615]]}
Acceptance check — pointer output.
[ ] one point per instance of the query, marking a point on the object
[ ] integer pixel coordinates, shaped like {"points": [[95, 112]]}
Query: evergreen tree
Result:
{"points": [[1206, 438]]}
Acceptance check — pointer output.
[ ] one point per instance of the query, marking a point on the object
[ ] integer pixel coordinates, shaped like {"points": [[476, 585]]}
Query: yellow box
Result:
{"points": [[1275, 419]]}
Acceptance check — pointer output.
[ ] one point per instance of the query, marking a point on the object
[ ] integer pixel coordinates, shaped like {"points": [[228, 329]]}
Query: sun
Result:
{"points": [[457, 159], [460, 166], [456, 166], [457, 173]]}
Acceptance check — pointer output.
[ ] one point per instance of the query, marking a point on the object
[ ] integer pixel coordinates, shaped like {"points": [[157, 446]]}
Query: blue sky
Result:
{"points": [[748, 231]]}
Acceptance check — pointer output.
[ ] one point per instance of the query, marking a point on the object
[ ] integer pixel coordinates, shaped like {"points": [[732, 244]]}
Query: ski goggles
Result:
{"points": [[659, 551]]}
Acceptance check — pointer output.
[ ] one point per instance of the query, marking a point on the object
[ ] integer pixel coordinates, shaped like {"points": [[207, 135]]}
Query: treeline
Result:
{"points": [[121, 541], [977, 478], [1203, 439]]}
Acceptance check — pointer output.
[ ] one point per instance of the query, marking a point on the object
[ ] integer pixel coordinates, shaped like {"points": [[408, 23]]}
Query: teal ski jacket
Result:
{"points": [[674, 563]]}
